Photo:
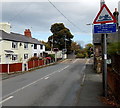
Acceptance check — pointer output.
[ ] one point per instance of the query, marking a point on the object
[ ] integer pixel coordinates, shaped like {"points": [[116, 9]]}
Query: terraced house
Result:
{"points": [[16, 49]]}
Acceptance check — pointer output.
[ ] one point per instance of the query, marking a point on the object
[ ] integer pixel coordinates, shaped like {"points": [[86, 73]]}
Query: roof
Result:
{"points": [[18, 38]]}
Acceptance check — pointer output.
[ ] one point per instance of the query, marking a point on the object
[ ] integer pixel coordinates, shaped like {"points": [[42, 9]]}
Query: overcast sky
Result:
{"points": [[39, 15]]}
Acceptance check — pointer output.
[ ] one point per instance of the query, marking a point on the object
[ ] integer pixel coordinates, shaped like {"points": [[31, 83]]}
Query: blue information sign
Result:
{"points": [[105, 28]]}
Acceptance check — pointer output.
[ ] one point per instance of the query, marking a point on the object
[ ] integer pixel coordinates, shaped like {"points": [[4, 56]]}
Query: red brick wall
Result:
{"points": [[114, 84], [112, 81]]}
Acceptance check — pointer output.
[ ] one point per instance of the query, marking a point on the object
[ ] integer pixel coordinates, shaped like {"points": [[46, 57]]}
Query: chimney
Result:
{"points": [[27, 33], [5, 27]]}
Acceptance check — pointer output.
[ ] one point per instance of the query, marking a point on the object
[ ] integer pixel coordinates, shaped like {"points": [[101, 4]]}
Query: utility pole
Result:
{"points": [[65, 42], [52, 45]]}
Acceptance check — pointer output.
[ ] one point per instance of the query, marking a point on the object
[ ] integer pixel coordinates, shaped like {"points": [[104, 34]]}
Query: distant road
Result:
{"points": [[55, 85]]}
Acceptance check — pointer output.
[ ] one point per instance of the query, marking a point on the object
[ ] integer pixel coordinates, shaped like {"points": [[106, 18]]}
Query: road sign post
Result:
{"points": [[104, 16], [105, 65]]}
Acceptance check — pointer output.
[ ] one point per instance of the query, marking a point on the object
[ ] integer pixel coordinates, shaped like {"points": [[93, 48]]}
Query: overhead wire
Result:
{"points": [[63, 15], [17, 14]]}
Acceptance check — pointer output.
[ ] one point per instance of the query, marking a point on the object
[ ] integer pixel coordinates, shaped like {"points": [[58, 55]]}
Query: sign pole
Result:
{"points": [[105, 64], [104, 16]]}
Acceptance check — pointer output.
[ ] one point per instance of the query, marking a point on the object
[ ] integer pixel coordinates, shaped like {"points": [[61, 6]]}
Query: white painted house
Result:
{"points": [[16, 49]]}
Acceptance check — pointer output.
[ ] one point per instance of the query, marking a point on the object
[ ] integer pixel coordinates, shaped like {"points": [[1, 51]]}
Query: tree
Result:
{"points": [[114, 48], [75, 46], [47, 45], [89, 49], [61, 36]]}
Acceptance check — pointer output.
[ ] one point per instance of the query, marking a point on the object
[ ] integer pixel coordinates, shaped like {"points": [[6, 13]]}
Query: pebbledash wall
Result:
{"points": [[10, 65], [13, 59]]}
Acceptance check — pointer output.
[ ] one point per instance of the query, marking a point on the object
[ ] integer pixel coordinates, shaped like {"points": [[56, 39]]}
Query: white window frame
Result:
{"points": [[25, 45], [41, 47], [14, 57], [36, 54], [36, 46], [25, 56], [14, 45]]}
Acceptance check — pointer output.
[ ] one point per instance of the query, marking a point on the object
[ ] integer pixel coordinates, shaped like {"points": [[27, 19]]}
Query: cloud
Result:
{"points": [[39, 16]]}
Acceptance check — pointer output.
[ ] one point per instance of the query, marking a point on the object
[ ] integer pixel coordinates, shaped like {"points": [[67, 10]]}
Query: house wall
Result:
{"points": [[38, 50], [59, 53], [20, 51]]}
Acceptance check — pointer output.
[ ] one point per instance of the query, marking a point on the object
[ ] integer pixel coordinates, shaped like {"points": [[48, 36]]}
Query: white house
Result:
{"points": [[16, 49]]}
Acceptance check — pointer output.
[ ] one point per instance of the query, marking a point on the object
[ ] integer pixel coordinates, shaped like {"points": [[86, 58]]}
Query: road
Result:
{"points": [[55, 85]]}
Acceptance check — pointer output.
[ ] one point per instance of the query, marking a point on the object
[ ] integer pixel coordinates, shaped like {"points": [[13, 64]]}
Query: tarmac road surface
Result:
{"points": [[55, 85]]}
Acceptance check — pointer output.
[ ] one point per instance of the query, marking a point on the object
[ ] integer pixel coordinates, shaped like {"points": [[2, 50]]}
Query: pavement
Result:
{"points": [[91, 91]]}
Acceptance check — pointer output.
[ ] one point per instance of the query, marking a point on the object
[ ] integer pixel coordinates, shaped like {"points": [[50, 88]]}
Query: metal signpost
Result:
{"points": [[105, 16]]}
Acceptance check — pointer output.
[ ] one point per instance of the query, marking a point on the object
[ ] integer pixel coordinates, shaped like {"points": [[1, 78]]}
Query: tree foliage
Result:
{"points": [[114, 48], [75, 46], [60, 35], [47, 45], [85, 52]]}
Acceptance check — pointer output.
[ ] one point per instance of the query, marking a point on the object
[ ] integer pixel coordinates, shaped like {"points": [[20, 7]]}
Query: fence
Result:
{"points": [[8, 68], [35, 63], [5, 68]]}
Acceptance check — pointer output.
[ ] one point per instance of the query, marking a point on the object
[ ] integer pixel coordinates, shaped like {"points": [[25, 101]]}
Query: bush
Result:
{"points": [[114, 48], [51, 55], [34, 58], [80, 55]]}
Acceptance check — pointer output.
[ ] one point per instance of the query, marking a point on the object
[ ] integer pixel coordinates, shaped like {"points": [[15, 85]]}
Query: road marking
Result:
{"points": [[64, 68], [87, 62], [35, 82], [10, 97], [46, 77], [75, 61], [83, 68], [83, 79]]}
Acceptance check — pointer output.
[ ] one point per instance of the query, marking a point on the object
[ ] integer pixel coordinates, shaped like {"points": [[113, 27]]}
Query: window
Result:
{"points": [[25, 56], [14, 45], [41, 54], [25, 45], [14, 57], [35, 46], [41, 46], [35, 54]]}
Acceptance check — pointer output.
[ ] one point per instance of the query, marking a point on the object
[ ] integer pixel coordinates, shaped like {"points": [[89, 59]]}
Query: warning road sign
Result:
{"points": [[104, 16]]}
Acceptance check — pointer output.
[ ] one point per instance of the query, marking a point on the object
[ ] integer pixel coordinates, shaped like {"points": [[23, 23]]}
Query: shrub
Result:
{"points": [[114, 48], [51, 55], [34, 58], [80, 55]]}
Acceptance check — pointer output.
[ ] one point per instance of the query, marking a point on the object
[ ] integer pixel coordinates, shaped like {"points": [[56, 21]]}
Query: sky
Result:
{"points": [[39, 15]]}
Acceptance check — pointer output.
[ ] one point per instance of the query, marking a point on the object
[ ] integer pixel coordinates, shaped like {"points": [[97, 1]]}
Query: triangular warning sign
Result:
{"points": [[104, 16]]}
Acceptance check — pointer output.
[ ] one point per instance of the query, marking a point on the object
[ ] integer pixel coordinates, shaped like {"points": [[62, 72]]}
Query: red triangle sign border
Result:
{"points": [[101, 22]]}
